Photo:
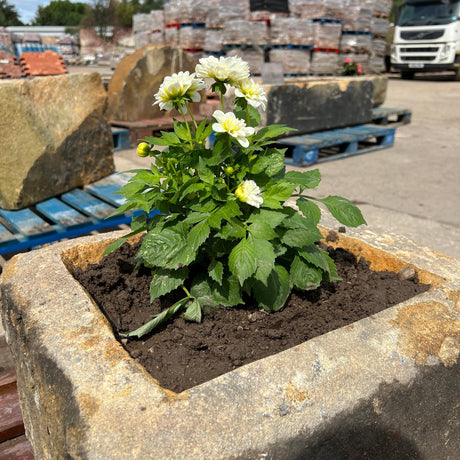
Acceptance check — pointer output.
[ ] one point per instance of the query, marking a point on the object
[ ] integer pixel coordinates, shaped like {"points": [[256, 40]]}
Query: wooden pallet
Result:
{"points": [[336, 144], [389, 116], [72, 214]]}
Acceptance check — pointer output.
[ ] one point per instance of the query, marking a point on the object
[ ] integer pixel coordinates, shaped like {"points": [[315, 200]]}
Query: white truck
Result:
{"points": [[427, 37]]}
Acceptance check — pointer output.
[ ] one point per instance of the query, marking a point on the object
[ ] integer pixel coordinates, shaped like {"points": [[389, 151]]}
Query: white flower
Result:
{"points": [[252, 92], [228, 123], [249, 192], [225, 69], [177, 89]]}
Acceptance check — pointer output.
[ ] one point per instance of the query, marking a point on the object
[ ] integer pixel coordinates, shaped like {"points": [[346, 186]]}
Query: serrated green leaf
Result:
{"points": [[304, 275], [345, 211], [201, 290], [205, 174], [191, 188], [229, 293], [159, 319], [310, 210], [207, 205], [203, 131], [332, 274], [254, 115], [276, 163], [315, 256], [180, 129], [170, 138], [268, 216], [197, 235], [234, 229], [165, 280], [274, 298], [280, 191], [216, 270], [271, 131], [156, 140], [242, 260], [262, 230], [193, 312], [265, 259], [300, 237], [226, 212], [306, 179], [116, 244]]}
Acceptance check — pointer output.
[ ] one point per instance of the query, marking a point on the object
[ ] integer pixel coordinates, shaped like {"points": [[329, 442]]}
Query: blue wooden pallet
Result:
{"points": [[391, 116], [72, 214], [121, 139], [336, 144]]}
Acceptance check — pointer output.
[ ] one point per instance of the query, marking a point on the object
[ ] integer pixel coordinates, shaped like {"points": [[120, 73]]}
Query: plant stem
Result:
{"points": [[221, 102], [181, 110], [191, 116], [186, 292]]}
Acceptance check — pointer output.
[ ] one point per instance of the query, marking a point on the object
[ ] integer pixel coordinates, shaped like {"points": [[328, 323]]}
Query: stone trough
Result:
{"points": [[387, 386]]}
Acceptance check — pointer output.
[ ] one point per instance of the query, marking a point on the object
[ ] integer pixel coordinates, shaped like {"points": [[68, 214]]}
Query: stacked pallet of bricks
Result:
{"points": [[148, 28], [313, 38], [9, 65], [39, 64]]}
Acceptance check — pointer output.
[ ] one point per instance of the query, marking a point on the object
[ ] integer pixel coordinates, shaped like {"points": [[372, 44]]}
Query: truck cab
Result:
{"points": [[427, 37]]}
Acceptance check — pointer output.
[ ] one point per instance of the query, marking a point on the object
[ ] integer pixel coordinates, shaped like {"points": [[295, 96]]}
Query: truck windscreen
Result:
{"points": [[423, 13]]}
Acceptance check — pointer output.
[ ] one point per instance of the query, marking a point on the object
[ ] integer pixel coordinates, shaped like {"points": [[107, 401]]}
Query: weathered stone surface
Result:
{"points": [[380, 89], [384, 387], [320, 105], [54, 137], [138, 77]]}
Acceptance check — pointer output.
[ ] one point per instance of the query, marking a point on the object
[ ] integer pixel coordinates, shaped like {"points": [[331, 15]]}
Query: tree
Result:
{"points": [[8, 15], [60, 13], [147, 5]]}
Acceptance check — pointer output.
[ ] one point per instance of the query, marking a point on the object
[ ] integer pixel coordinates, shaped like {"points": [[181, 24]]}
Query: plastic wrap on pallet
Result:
{"points": [[142, 23], [196, 55], [157, 19], [357, 18], [311, 9], [376, 64], [172, 36], [31, 37], [324, 63], [291, 31], [213, 40], [382, 8], [253, 56], [294, 61], [265, 15], [356, 43], [171, 12], [378, 47], [241, 32], [226, 11], [327, 35], [141, 39], [192, 37], [380, 27], [157, 38]]}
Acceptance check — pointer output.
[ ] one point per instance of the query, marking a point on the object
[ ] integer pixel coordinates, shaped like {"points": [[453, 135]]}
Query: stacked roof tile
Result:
{"points": [[46, 63], [9, 66]]}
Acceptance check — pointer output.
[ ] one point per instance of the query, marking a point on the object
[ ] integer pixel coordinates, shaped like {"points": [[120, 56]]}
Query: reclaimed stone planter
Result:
{"points": [[384, 387]]}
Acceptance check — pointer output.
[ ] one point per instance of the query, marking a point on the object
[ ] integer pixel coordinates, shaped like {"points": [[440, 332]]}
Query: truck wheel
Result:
{"points": [[407, 75], [457, 75]]}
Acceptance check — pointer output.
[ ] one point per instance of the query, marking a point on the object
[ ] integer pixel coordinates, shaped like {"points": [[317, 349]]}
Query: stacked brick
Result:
{"points": [[46, 63], [148, 28], [9, 65], [315, 37]]}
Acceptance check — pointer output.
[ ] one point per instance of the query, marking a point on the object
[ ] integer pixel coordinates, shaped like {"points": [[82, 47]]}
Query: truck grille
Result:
{"points": [[418, 58], [433, 49], [422, 34]]}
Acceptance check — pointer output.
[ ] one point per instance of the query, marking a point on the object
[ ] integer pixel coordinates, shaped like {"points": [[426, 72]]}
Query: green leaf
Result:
{"points": [[262, 230], [216, 270], [180, 128], [254, 115], [276, 162], [193, 312], [165, 280], [332, 275], [315, 256], [242, 260], [280, 191], [304, 275], [306, 179], [310, 210], [229, 293], [201, 290], [160, 246], [196, 237], [203, 131], [156, 141], [268, 216], [265, 259], [170, 138], [194, 187], [345, 211], [274, 298], [299, 237], [226, 212], [116, 244], [159, 319], [234, 229], [271, 132], [205, 174]]}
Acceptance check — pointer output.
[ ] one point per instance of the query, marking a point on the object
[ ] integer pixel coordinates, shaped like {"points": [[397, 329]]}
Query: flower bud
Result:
{"points": [[143, 149], [229, 170]]}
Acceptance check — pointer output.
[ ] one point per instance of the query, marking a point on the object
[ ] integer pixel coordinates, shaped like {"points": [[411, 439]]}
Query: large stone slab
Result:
{"points": [[384, 387], [138, 77], [54, 136], [320, 105]]}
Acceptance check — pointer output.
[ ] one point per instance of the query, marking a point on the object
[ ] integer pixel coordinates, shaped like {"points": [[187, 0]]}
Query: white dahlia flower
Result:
{"points": [[249, 192], [252, 92], [228, 123], [225, 69]]}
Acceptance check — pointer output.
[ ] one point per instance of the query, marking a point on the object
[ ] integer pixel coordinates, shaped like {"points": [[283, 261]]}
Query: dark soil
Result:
{"points": [[181, 354]]}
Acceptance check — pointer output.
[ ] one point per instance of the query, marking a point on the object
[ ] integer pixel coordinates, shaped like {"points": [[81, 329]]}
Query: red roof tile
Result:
{"points": [[9, 66], [46, 63]]}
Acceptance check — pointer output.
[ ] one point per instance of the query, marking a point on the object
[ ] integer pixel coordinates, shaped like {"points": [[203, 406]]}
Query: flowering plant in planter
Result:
{"points": [[351, 68], [224, 231]]}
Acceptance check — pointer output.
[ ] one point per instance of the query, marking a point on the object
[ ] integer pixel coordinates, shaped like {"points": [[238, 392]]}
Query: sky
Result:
{"points": [[27, 8]]}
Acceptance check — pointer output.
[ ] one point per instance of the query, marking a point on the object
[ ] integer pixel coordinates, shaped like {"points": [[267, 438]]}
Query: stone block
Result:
{"points": [[383, 387], [54, 136], [138, 77], [320, 104]]}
